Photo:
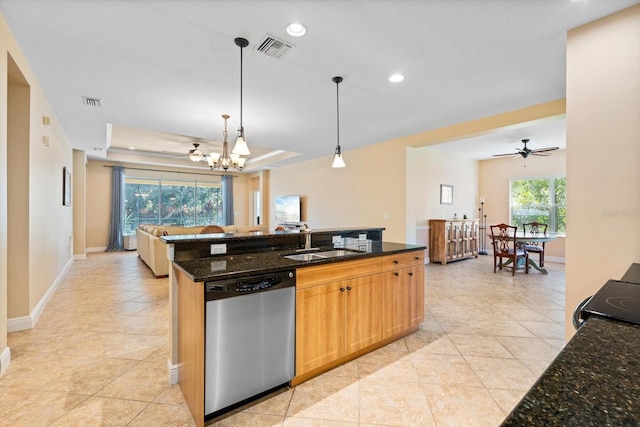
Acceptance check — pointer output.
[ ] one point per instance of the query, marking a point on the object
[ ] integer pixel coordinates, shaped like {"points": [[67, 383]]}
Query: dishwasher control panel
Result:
{"points": [[228, 288]]}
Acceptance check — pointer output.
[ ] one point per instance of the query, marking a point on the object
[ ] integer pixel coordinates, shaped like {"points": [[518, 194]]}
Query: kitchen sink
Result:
{"points": [[303, 257], [310, 256]]}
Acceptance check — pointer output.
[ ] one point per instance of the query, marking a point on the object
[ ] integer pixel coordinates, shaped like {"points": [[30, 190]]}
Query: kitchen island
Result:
{"points": [[345, 305], [594, 379]]}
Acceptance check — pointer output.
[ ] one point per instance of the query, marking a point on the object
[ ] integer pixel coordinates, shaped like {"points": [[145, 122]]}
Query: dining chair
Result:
{"points": [[535, 229], [503, 237]]}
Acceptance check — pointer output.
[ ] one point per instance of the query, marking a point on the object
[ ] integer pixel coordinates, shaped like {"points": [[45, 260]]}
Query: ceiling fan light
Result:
{"points": [[196, 155]]}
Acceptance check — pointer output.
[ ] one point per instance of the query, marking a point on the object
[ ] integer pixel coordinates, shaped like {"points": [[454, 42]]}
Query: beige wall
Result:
{"points": [[79, 204], [47, 237], [369, 192], [98, 195], [426, 170], [495, 176], [603, 153]]}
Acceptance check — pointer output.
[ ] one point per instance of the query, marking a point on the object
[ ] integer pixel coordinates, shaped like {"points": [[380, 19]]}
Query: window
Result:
{"points": [[540, 199], [171, 202]]}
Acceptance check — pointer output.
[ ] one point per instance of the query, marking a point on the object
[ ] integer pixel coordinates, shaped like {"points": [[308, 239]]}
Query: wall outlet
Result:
{"points": [[362, 236], [336, 239], [219, 249]]}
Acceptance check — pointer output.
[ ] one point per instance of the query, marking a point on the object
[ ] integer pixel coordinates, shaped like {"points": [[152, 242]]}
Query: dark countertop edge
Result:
{"points": [[187, 266], [587, 383], [187, 238]]}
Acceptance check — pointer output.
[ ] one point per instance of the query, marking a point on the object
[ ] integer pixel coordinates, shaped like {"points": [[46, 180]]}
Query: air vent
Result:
{"points": [[274, 47], [92, 102]]}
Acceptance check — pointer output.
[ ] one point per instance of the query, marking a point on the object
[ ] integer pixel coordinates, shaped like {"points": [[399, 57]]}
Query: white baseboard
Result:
{"points": [[79, 257], [5, 360], [28, 322], [173, 372], [97, 249], [16, 324]]}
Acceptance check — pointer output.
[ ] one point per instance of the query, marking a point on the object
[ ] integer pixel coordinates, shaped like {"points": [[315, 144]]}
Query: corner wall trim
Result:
{"points": [[79, 257], [173, 372], [28, 322], [5, 360]]}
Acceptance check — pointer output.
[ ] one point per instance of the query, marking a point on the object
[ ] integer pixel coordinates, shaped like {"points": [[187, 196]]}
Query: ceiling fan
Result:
{"points": [[526, 151], [195, 154]]}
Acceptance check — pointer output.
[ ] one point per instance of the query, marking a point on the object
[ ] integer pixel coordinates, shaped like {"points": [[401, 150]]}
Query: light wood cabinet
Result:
{"points": [[452, 239], [402, 292], [347, 309], [336, 317], [320, 320]]}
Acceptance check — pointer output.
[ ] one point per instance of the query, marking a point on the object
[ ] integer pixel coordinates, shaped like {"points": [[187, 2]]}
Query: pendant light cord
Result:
{"points": [[338, 113], [241, 49]]}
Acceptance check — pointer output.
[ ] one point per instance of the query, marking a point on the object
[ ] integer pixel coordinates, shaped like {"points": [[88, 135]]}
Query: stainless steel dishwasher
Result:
{"points": [[249, 337]]}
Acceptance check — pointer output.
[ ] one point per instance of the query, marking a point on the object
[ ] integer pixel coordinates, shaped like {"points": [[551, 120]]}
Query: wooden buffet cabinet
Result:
{"points": [[452, 239], [346, 309]]}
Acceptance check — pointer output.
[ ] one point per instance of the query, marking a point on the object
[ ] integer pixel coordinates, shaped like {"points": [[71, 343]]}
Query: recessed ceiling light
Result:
{"points": [[296, 30], [396, 78], [132, 148]]}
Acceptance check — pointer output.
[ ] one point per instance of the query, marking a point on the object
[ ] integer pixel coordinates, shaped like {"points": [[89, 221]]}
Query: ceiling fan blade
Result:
{"points": [[540, 150], [507, 154], [535, 153]]}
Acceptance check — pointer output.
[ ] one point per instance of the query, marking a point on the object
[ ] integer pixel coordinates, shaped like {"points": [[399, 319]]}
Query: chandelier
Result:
{"points": [[233, 159], [226, 160]]}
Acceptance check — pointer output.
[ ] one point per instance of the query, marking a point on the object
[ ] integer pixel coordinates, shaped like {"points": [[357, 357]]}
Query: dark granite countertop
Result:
{"points": [[594, 381], [189, 238], [228, 266]]}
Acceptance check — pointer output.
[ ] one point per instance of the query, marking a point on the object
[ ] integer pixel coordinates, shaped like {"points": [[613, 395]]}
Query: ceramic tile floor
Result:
{"points": [[98, 354]]}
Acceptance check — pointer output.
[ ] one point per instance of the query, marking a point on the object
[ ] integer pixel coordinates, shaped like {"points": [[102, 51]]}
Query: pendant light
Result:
{"points": [[338, 161], [226, 160], [241, 147]]}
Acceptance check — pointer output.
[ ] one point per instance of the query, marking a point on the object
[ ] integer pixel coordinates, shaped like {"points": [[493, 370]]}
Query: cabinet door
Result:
{"points": [[415, 278], [363, 323], [394, 303], [320, 323]]}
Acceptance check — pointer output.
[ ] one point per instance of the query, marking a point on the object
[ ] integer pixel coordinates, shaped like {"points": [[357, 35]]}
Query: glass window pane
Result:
{"points": [[539, 200]]}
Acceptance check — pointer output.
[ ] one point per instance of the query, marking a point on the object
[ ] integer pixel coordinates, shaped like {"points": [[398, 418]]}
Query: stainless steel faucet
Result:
{"points": [[307, 238]]}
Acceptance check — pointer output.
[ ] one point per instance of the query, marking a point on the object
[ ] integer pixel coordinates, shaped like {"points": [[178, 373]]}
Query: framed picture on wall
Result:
{"points": [[66, 187], [446, 194]]}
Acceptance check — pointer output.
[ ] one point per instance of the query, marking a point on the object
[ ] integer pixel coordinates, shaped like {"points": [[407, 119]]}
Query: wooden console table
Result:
{"points": [[452, 239]]}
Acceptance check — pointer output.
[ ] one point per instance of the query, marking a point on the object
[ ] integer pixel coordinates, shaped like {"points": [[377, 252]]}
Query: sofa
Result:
{"points": [[153, 250]]}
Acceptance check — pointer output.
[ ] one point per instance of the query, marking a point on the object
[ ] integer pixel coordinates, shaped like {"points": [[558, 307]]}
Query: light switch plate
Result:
{"points": [[362, 236], [219, 249]]}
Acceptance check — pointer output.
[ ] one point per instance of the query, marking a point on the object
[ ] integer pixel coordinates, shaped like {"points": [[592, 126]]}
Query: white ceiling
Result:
{"points": [[166, 70]]}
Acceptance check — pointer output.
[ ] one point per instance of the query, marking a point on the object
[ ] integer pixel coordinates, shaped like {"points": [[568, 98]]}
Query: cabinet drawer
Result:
{"points": [[392, 262], [333, 272]]}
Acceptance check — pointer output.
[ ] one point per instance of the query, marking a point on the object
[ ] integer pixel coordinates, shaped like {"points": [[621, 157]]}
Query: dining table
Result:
{"points": [[522, 238]]}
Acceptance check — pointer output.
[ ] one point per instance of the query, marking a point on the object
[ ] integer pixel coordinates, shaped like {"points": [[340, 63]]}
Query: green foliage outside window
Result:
{"points": [[165, 202], [542, 200]]}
